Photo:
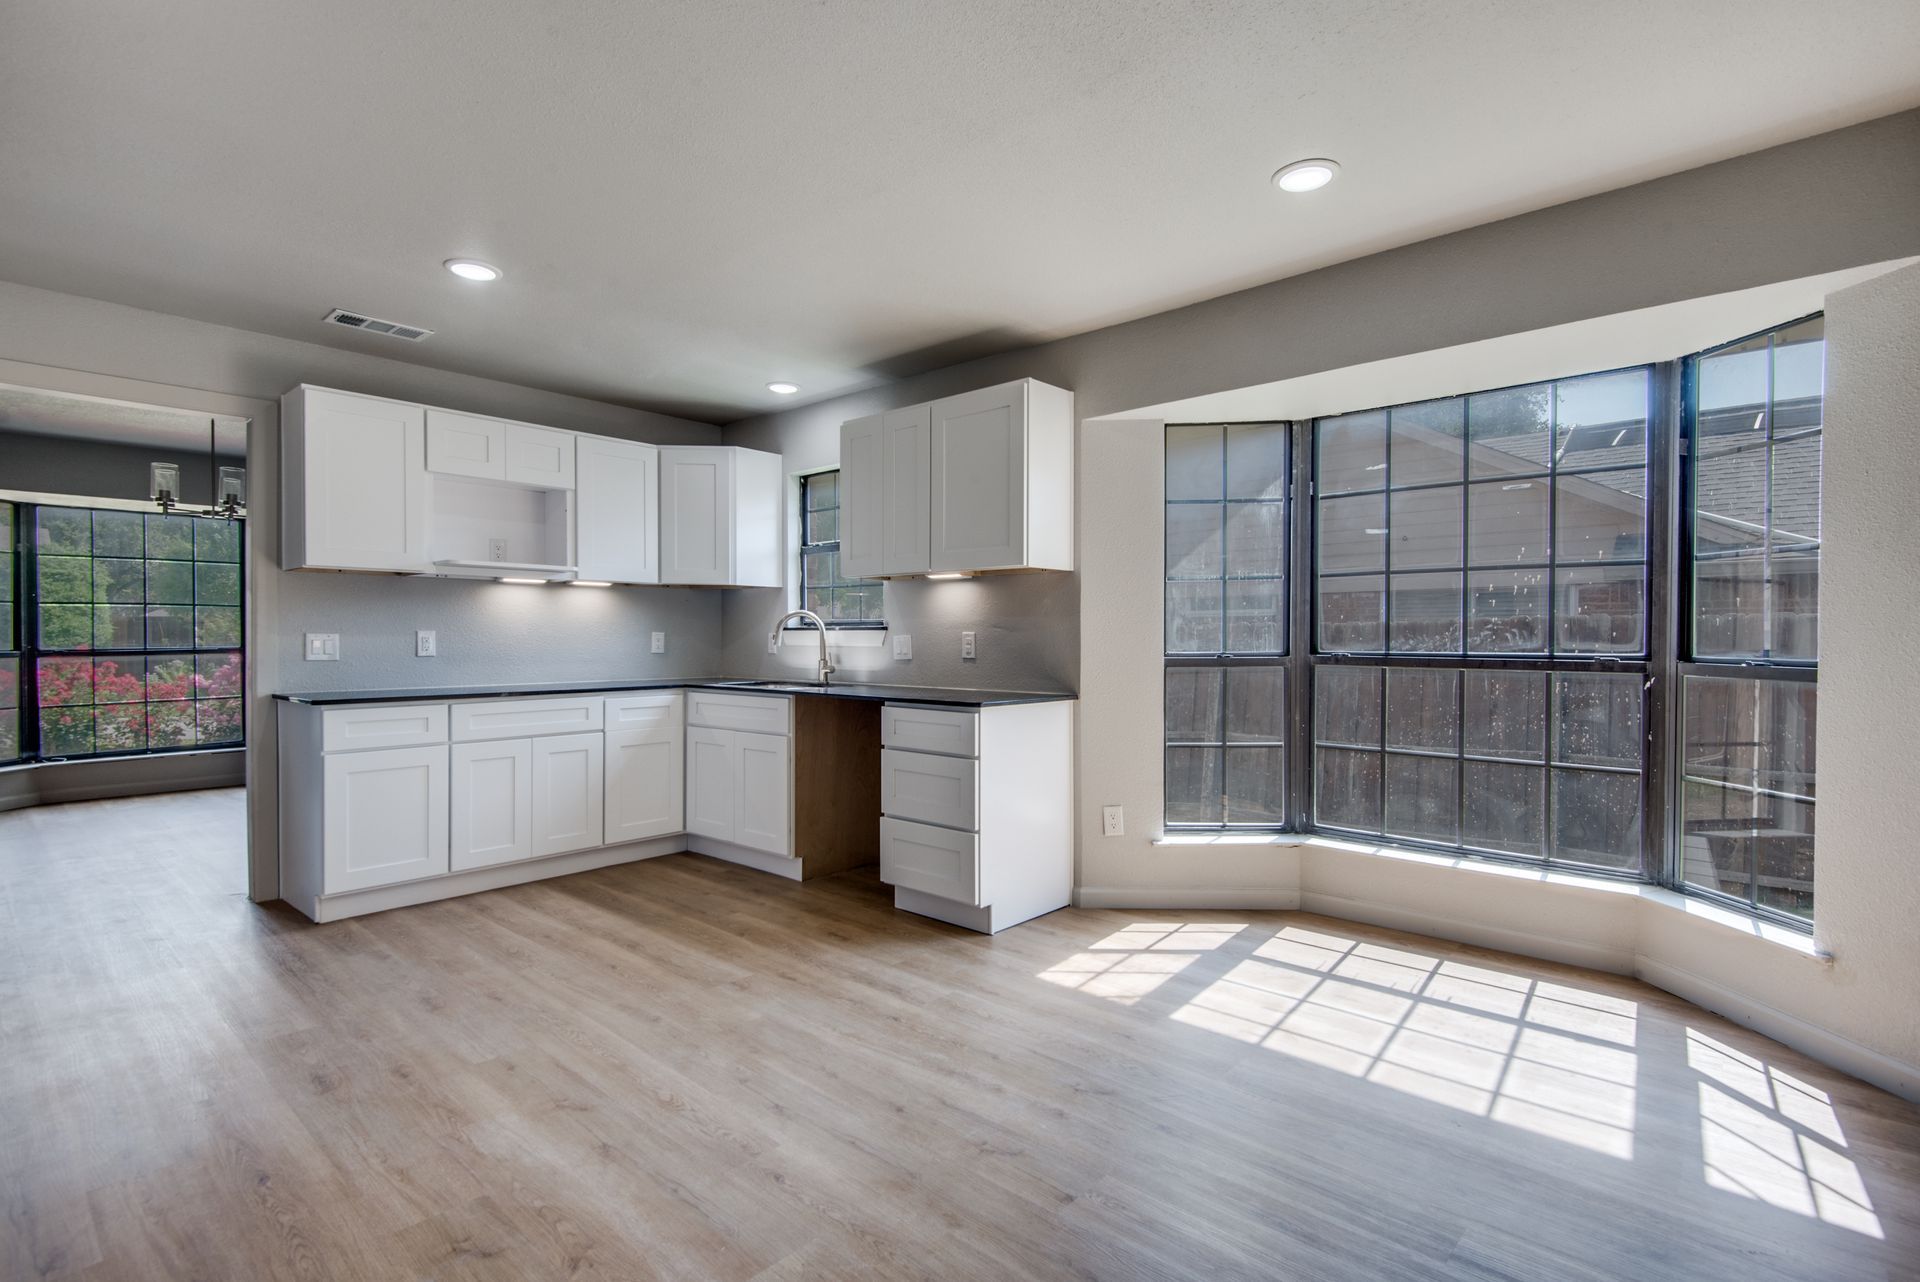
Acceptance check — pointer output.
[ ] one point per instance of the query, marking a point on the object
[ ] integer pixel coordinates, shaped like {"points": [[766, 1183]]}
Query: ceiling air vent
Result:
{"points": [[374, 325]]}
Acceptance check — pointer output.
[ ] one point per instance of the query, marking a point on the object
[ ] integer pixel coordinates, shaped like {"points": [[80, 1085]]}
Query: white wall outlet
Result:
{"points": [[659, 644], [902, 646], [425, 646], [496, 549], [1113, 821], [966, 645], [323, 646]]}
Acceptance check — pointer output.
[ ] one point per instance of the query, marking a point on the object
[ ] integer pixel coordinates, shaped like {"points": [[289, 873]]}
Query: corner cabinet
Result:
{"points": [[720, 523], [975, 483], [354, 472]]}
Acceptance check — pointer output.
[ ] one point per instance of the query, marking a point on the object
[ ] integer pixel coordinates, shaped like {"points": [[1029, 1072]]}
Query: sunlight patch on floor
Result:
{"points": [[1769, 1136], [1547, 1058]]}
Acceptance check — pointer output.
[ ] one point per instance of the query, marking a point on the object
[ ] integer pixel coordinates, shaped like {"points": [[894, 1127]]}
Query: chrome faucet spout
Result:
{"points": [[825, 665]]}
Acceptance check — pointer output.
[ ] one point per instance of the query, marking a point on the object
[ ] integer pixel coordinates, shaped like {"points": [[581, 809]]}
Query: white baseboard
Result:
{"points": [[380, 898], [1619, 961], [778, 865], [1843, 1053], [1147, 898]]}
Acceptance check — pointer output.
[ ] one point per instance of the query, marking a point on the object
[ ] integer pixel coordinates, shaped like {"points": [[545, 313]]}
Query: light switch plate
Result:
{"points": [[966, 645], [659, 645], [1113, 821], [323, 646], [902, 646], [425, 645]]}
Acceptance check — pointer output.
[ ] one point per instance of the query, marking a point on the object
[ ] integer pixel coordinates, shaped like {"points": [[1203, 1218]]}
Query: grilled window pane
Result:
{"points": [[1427, 442], [1352, 453]]}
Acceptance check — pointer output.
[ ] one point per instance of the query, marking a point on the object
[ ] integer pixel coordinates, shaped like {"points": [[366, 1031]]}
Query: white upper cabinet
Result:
{"points": [[492, 449], [861, 497], [374, 484], [464, 445], [355, 488], [907, 491], [976, 482], [541, 456], [1003, 479], [720, 516], [617, 506]]}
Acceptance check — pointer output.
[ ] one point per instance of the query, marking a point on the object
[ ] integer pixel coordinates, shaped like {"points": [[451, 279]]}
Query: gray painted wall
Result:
{"points": [[1826, 203]]}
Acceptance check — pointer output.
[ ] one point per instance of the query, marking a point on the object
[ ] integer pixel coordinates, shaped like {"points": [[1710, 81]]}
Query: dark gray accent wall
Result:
{"points": [[99, 469]]}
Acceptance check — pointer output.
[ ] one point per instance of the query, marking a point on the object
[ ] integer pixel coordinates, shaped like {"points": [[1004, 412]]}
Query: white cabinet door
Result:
{"points": [[646, 789], [764, 807], [617, 510], [906, 525], [362, 471], [862, 497], [696, 514], [712, 781], [541, 456], [466, 445], [569, 789], [980, 479], [492, 803], [384, 817]]}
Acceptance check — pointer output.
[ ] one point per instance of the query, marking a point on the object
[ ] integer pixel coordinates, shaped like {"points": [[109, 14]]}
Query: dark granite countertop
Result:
{"points": [[848, 690]]}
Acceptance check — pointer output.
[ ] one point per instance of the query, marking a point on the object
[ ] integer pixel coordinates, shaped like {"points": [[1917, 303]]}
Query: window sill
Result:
{"points": [[852, 638], [1690, 906]]}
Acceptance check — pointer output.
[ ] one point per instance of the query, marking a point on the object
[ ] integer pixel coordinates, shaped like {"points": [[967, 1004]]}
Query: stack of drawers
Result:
{"points": [[930, 801]]}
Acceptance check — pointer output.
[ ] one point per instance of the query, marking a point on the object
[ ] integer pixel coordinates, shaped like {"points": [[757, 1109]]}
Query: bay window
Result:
{"points": [[1516, 642]]}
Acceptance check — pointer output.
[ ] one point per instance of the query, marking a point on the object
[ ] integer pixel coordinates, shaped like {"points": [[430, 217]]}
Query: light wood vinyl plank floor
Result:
{"points": [[684, 1069]]}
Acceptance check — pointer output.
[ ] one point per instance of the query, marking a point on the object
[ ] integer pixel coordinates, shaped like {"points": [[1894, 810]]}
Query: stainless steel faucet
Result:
{"points": [[826, 661]]}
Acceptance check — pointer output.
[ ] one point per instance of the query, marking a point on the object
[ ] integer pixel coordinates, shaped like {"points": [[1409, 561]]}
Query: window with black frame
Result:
{"points": [[1226, 624], [125, 627], [1748, 706], [1505, 531], [840, 601]]}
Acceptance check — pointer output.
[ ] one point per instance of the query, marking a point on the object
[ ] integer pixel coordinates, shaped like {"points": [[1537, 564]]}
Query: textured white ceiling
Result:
{"points": [[690, 199]]}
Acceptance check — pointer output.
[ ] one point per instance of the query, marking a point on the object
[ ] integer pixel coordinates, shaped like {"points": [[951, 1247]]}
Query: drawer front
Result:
{"points": [[755, 713], [520, 718], [934, 861], [956, 734], [661, 712], [929, 789], [391, 725]]}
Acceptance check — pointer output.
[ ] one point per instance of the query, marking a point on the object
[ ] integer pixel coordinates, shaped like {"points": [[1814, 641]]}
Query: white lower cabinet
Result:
{"points": [[740, 782], [379, 809], [765, 793], [569, 791], [383, 817], [977, 826], [492, 803]]}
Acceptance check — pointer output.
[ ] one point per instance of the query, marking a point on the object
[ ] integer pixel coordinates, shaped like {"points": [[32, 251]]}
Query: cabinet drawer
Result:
{"points": [[645, 711], [934, 861], [519, 718], [758, 713], [391, 725], [930, 789], [954, 734]]}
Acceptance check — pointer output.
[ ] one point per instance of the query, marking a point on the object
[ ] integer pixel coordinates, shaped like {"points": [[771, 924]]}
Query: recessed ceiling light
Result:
{"points": [[472, 269], [1306, 175], [784, 389]]}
